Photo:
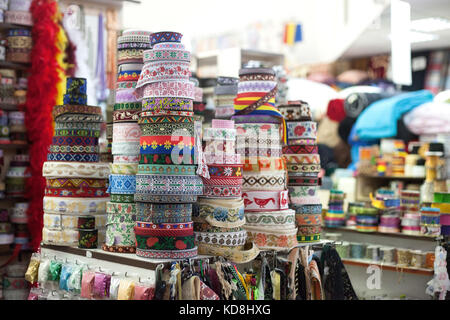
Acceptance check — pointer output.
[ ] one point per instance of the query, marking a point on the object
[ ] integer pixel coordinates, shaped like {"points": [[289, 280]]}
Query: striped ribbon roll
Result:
{"points": [[122, 184]]}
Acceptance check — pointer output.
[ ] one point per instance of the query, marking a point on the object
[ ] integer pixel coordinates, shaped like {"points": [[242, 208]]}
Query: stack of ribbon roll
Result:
{"points": [[390, 216], [17, 128], [75, 194], [126, 133], [430, 224], [224, 94], [410, 206], [19, 219], [166, 183], [19, 45], [441, 201], [259, 127], [303, 166], [367, 219], [17, 175], [335, 215], [219, 214]]}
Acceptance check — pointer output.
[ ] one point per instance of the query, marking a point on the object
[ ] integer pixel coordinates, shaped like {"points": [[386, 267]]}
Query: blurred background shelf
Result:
{"points": [[366, 263], [14, 65]]}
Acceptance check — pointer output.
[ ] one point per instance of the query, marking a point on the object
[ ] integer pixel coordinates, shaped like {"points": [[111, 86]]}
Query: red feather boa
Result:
{"points": [[41, 97]]}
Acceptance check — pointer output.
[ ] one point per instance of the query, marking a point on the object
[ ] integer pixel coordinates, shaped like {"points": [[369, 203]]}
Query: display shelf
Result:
{"points": [[129, 259], [10, 146], [14, 65], [390, 177], [6, 26], [381, 234], [365, 184], [389, 267]]}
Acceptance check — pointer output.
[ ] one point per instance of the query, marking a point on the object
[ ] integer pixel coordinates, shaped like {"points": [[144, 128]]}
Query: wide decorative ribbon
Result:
{"points": [[166, 169], [231, 239], [168, 184], [121, 208], [156, 55], [168, 46], [260, 130], [71, 237], [125, 148], [301, 149], [174, 156], [125, 116], [216, 191], [63, 221], [163, 213], [18, 17], [77, 109], [126, 95], [150, 242], [264, 164], [219, 134], [144, 197], [74, 149], [76, 133], [135, 54], [179, 89], [87, 192], [303, 181], [75, 170], [120, 230], [270, 239], [264, 182], [123, 168], [85, 118], [122, 184], [77, 126], [271, 219], [308, 219], [167, 254], [160, 71], [75, 206], [224, 111], [221, 213], [164, 117], [133, 45], [132, 38], [302, 191], [225, 171], [122, 198], [261, 152], [296, 111], [75, 157], [153, 144], [265, 200], [117, 159], [130, 106], [309, 230], [222, 158], [220, 146], [167, 104], [302, 158], [167, 129], [125, 85]]}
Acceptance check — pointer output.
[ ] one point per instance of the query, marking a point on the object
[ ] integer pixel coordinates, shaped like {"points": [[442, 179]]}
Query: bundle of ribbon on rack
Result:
{"points": [[75, 194], [126, 135]]}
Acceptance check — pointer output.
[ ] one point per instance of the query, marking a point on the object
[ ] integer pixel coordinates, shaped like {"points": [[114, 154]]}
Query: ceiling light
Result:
{"points": [[416, 37], [430, 24]]}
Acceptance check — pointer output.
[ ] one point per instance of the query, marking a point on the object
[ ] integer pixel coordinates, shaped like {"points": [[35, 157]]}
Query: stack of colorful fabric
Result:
{"points": [[410, 206], [166, 183], [442, 202], [126, 133], [17, 175], [430, 224], [259, 124], [224, 94], [335, 215], [219, 214], [303, 166], [19, 45], [75, 194]]}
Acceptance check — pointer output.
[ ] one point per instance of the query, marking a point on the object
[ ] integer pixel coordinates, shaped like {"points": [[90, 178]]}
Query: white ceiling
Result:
{"points": [[375, 39]]}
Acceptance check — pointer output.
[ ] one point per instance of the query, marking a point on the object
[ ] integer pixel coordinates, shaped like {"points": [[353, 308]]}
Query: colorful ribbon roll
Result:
{"points": [[179, 89], [167, 104], [162, 71], [221, 213], [268, 239], [75, 170], [265, 200], [122, 184], [74, 205], [231, 239], [271, 219], [163, 213], [170, 184], [264, 182]]}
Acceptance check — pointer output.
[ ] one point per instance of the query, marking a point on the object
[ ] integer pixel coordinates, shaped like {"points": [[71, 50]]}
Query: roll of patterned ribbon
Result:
{"points": [[64, 221], [134, 38], [217, 191], [128, 106], [261, 152], [168, 184], [308, 200], [19, 5], [222, 158], [224, 111], [309, 230], [20, 42], [122, 184], [125, 85], [303, 168], [164, 54], [264, 182], [123, 168], [222, 213], [126, 132], [125, 116], [307, 209], [120, 230], [65, 119], [166, 254], [442, 207], [75, 170], [75, 109], [19, 17], [219, 134], [269, 239], [308, 219], [125, 198], [159, 116], [271, 219], [231, 239], [149, 131], [74, 205], [130, 55], [174, 156], [301, 149], [358, 250], [167, 104], [77, 126], [301, 130], [299, 159], [265, 200], [302, 191], [125, 148], [166, 169], [75, 133], [69, 237], [167, 70], [263, 130], [163, 213], [75, 157], [126, 95], [121, 208], [296, 111], [168, 46], [303, 181], [128, 75], [166, 243], [76, 192], [73, 149], [179, 89]]}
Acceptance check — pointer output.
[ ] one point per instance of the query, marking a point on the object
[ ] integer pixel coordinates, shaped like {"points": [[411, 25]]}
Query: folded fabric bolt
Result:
{"points": [[264, 182], [163, 213], [156, 55], [166, 169], [216, 191], [271, 219], [125, 148], [122, 184], [75, 170], [77, 109], [301, 130], [268, 239], [265, 200], [266, 164], [222, 238], [124, 168], [179, 89], [128, 106], [125, 159], [74, 206], [168, 184], [70, 237], [222, 213], [77, 126], [300, 159], [298, 110], [167, 103], [238, 254], [63, 221], [165, 198], [222, 158], [308, 219], [125, 116], [159, 71], [75, 157], [166, 254], [301, 149], [126, 132]]}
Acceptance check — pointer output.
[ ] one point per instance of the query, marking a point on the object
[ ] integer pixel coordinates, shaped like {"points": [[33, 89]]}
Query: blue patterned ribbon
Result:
{"points": [[122, 184]]}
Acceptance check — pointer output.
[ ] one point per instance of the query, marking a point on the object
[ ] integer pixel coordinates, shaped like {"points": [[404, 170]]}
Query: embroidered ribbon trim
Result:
{"points": [[77, 126], [308, 219], [303, 168], [149, 242], [125, 148], [155, 55], [314, 200], [272, 240], [166, 254], [126, 95], [301, 130], [165, 185], [165, 199], [126, 116], [222, 158], [122, 198], [301, 149], [75, 205], [165, 226], [75, 170], [167, 129], [221, 213], [70, 118], [76, 183], [75, 133], [303, 181], [171, 158], [296, 112], [264, 182], [166, 169], [121, 208], [119, 249], [63, 221], [122, 184], [74, 149], [310, 238], [75, 157], [163, 213], [265, 200], [220, 146], [165, 117], [76, 192], [70, 109], [302, 191], [167, 104], [179, 89], [128, 106], [273, 219], [185, 146], [214, 191], [124, 168], [70, 237], [219, 134], [126, 132], [230, 239], [160, 71], [302, 158]]}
